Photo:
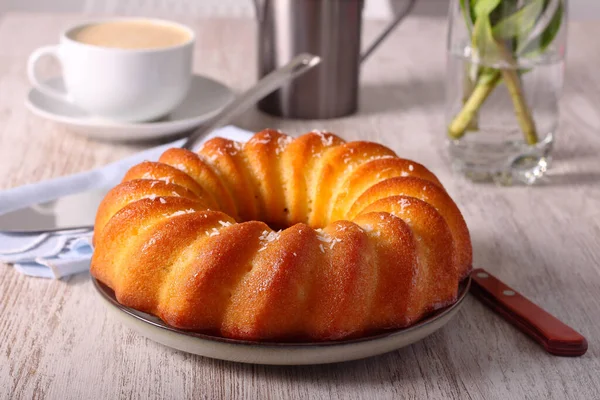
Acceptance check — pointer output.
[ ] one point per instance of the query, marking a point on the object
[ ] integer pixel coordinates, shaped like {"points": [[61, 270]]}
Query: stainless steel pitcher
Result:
{"points": [[330, 29]]}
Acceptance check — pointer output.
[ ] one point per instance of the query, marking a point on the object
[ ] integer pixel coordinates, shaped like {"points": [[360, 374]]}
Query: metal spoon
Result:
{"points": [[298, 66]]}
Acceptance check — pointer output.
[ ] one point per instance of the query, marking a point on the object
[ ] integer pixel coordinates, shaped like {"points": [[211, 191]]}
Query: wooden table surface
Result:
{"points": [[56, 340]]}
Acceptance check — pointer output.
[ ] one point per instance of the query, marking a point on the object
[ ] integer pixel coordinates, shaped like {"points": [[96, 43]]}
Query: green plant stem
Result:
{"points": [[468, 86], [485, 86], [512, 80], [487, 82], [522, 112]]}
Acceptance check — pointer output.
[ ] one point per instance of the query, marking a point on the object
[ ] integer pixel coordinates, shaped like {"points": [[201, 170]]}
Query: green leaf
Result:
{"points": [[539, 44], [551, 31], [483, 8], [483, 43], [463, 8], [520, 24], [467, 16], [506, 7]]}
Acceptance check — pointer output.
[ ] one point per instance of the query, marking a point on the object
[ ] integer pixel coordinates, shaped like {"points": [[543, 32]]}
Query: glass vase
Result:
{"points": [[504, 79]]}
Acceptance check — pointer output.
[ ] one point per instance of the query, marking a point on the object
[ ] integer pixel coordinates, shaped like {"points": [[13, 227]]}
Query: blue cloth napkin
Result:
{"points": [[63, 253]]}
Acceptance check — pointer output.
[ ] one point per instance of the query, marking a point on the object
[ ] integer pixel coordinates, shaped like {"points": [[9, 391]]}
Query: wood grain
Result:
{"points": [[56, 341]]}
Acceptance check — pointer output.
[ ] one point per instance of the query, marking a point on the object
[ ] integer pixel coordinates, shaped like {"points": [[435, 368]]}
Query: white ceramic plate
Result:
{"points": [[204, 100], [277, 353]]}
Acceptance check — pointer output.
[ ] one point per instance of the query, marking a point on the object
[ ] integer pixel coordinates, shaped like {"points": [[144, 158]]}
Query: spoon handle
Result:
{"points": [[296, 67], [555, 336]]}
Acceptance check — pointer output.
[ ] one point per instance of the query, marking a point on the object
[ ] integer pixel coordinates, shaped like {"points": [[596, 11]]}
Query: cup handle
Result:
{"points": [[33, 76], [397, 19]]}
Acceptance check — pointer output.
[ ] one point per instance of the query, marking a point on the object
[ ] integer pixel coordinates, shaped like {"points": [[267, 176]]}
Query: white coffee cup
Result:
{"points": [[121, 84]]}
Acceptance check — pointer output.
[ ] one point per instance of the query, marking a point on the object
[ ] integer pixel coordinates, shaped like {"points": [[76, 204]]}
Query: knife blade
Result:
{"points": [[67, 212]]}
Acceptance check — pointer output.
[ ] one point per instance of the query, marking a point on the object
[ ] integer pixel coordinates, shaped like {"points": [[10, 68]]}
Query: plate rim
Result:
{"points": [[130, 126], [105, 292]]}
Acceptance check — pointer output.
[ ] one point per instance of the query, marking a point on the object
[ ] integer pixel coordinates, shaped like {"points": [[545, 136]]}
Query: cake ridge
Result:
{"points": [[204, 174], [231, 168]]}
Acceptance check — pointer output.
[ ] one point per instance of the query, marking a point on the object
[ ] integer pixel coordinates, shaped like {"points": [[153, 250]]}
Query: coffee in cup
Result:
{"points": [[128, 70], [136, 34]]}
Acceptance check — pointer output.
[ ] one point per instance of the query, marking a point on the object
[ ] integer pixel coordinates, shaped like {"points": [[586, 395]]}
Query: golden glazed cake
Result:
{"points": [[279, 238]]}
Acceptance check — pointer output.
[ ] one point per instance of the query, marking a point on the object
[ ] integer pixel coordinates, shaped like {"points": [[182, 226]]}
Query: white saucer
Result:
{"points": [[204, 100], [277, 353]]}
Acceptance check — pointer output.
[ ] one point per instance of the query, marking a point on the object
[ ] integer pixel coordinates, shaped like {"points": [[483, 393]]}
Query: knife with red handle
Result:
{"points": [[556, 337]]}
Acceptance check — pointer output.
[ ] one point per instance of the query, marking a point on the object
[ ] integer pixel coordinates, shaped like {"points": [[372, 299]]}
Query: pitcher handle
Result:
{"points": [[410, 5]]}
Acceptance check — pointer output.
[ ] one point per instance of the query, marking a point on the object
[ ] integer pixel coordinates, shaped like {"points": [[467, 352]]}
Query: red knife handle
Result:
{"points": [[556, 337]]}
